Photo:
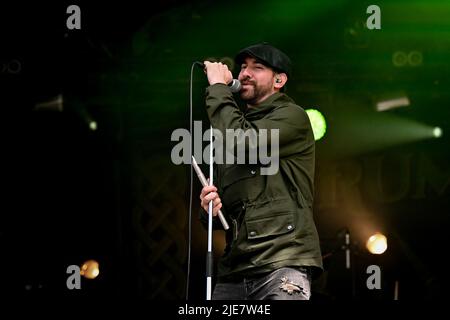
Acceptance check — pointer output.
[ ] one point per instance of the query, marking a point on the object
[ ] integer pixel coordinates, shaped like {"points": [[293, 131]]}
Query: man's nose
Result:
{"points": [[244, 74]]}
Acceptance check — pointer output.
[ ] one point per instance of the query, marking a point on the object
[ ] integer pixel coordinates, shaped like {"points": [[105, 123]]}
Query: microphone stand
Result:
{"points": [[347, 249], [204, 182], [348, 265], [209, 255]]}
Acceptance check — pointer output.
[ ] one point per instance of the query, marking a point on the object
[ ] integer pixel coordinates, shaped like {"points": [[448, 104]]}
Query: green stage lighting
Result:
{"points": [[437, 132], [318, 123]]}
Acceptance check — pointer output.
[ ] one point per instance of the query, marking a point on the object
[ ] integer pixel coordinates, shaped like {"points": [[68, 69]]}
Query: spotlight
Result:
{"points": [[93, 125], [90, 269], [437, 132], [318, 123], [377, 243]]}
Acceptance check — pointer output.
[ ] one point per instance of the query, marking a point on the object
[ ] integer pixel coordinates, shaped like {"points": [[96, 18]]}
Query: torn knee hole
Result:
{"points": [[290, 287]]}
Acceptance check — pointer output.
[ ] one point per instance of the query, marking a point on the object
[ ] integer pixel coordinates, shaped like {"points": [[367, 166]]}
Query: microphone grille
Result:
{"points": [[235, 85]]}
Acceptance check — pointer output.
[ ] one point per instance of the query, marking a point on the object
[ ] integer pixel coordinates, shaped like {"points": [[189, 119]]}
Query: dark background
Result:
{"points": [[71, 194]]}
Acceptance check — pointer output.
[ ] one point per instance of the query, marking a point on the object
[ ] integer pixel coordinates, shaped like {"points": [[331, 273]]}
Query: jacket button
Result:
{"points": [[289, 227], [252, 233]]}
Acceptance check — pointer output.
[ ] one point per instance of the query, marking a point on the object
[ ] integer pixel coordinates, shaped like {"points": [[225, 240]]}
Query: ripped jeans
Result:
{"points": [[282, 284]]}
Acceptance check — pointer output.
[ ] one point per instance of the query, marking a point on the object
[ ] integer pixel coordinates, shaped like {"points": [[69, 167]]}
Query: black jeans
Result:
{"points": [[281, 284]]}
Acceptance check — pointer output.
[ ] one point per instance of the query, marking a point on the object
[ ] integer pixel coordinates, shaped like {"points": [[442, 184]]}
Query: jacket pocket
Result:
{"points": [[272, 218], [270, 226]]}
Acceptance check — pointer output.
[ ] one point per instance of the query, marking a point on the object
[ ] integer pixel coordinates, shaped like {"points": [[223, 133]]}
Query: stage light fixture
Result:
{"points": [[93, 125], [318, 123], [377, 243], [90, 269], [437, 132]]}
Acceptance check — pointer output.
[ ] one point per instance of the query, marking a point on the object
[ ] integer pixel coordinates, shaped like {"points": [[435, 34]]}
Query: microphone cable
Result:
{"points": [[191, 185]]}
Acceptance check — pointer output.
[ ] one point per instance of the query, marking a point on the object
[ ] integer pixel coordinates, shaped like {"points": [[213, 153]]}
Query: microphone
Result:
{"points": [[202, 179], [235, 85]]}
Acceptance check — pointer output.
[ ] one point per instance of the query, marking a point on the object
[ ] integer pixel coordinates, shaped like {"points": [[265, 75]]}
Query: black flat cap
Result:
{"points": [[268, 55]]}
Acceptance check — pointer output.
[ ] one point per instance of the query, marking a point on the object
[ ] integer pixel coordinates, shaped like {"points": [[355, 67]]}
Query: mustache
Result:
{"points": [[246, 81]]}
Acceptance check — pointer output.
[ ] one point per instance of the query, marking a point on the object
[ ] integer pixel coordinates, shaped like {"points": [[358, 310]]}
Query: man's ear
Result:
{"points": [[280, 80]]}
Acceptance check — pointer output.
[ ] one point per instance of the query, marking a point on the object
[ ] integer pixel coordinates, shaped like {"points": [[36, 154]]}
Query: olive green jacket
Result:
{"points": [[270, 216]]}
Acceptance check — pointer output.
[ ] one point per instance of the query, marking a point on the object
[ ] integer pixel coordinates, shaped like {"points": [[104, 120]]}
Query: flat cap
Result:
{"points": [[268, 55]]}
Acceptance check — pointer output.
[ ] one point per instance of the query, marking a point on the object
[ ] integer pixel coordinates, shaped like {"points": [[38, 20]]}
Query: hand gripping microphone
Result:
{"points": [[235, 85]]}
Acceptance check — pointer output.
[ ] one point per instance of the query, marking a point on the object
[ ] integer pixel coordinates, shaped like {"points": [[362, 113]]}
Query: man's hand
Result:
{"points": [[217, 72], [210, 193]]}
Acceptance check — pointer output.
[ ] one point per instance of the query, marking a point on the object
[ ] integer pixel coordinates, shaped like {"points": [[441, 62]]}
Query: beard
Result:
{"points": [[252, 92]]}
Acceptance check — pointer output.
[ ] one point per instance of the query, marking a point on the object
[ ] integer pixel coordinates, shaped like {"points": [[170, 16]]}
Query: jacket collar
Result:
{"points": [[269, 104]]}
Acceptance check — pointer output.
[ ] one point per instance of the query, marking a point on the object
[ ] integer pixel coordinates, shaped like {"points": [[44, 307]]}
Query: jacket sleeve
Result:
{"points": [[295, 133]]}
